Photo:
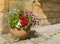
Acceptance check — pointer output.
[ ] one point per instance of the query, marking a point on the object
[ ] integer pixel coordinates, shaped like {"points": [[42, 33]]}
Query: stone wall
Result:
{"points": [[1, 5], [33, 6], [51, 9], [46, 10], [41, 8]]}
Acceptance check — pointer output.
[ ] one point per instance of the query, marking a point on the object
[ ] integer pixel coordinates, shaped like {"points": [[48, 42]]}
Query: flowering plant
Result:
{"points": [[22, 19]]}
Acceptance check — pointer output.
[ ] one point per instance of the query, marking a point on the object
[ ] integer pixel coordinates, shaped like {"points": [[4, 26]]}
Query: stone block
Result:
{"points": [[50, 7], [1, 5], [50, 1]]}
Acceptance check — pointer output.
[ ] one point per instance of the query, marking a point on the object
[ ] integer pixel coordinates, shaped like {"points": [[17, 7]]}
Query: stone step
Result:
{"points": [[47, 30]]}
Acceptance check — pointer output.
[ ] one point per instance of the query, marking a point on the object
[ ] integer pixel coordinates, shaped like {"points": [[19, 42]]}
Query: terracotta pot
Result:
{"points": [[21, 34]]}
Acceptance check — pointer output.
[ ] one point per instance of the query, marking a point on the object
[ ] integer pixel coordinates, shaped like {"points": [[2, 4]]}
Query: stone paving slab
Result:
{"points": [[51, 30]]}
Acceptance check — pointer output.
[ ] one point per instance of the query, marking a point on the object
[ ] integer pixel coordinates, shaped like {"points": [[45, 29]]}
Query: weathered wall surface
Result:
{"points": [[33, 6], [43, 9], [3, 16], [1, 5], [51, 8], [46, 9]]}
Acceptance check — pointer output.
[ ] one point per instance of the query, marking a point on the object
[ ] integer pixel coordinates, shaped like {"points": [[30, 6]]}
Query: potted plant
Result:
{"points": [[20, 22]]}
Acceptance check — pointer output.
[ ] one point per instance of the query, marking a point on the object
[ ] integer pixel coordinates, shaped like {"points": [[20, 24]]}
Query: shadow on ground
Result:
{"points": [[33, 34]]}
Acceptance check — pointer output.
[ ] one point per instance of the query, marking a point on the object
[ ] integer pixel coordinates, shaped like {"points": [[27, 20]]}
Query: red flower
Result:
{"points": [[22, 17], [23, 22], [21, 11]]}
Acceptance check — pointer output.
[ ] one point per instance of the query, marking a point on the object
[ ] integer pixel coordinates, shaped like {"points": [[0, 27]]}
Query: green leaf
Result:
{"points": [[13, 19], [26, 27]]}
